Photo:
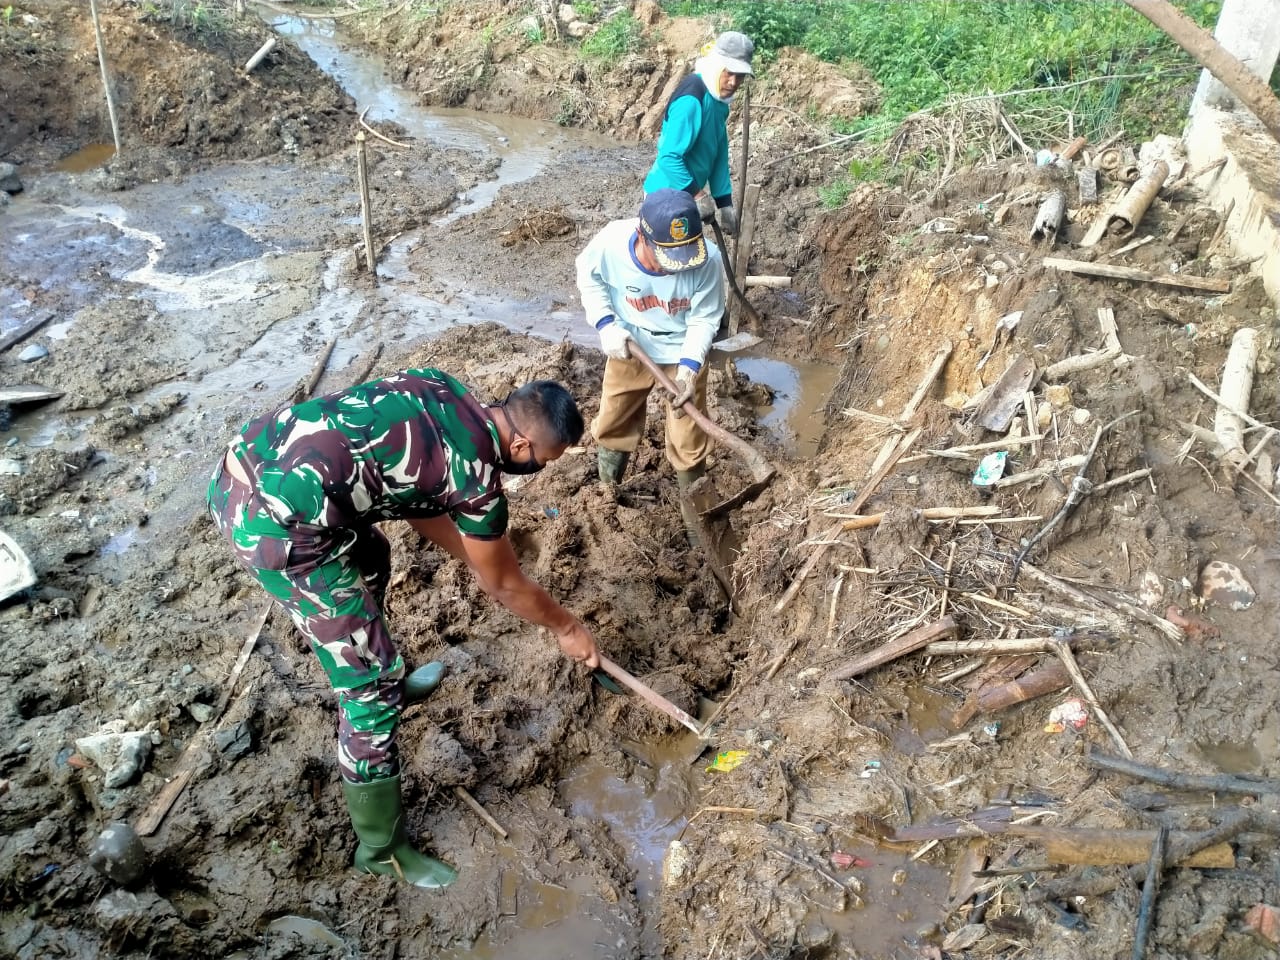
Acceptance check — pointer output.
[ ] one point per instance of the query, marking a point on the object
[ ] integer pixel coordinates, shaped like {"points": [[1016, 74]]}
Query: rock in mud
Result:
{"points": [[120, 754], [127, 917], [235, 742], [118, 854], [32, 353], [678, 865], [1224, 584], [10, 182]]}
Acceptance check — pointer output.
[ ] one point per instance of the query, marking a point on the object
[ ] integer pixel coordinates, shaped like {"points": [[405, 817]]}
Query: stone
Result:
{"points": [[119, 753], [1151, 590], [1225, 584], [678, 865], [578, 29], [118, 854], [10, 182], [10, 468], [1044, 415], [32, 353], [566, 14], [200, 712], [1080, 416], [1058, 395], [235, 742]]}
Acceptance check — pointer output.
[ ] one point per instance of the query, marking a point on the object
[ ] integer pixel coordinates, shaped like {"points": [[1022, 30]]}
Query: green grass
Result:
{"points": [[618, 36], [923, 52]]}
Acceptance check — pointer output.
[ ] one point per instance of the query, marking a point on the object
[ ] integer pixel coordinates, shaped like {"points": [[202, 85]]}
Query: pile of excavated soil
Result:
{"points": [[791, 852]]}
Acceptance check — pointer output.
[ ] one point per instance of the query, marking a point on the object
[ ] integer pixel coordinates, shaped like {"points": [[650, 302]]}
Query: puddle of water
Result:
{"points": [[891, 913], [524, 146], [1232, 757], [86, 158], [800, 390], [120, 543]]}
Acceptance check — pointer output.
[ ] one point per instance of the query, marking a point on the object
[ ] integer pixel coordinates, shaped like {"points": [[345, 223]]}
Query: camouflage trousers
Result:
{"points": [[332, 583]]}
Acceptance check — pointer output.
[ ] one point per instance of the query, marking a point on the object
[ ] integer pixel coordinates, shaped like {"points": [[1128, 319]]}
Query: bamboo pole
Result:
{"points": [[742, 250], [1236, 386], [928, 513], [106, 77], [261, 55], [362, 169]]}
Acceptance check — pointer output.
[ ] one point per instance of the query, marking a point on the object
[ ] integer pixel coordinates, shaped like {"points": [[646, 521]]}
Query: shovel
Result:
{"points": [[762, 471]]}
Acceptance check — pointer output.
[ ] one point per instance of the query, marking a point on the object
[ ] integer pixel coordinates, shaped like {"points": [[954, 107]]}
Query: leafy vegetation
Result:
{"points": [[618, 36], [1057, 68]]}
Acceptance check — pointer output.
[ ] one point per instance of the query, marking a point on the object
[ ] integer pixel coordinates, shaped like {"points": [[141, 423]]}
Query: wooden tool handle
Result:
{"points": [[649, 694]]}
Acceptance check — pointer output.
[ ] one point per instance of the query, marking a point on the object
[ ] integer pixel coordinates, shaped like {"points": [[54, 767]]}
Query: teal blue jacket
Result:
{"points": [[693, 147]]}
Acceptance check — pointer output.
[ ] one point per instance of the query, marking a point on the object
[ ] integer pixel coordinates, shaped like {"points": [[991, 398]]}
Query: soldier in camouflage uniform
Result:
{"points": [[297, 496]]}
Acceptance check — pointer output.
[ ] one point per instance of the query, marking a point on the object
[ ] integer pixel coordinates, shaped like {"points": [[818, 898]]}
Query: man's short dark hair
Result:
{"points": [[549, 404]]}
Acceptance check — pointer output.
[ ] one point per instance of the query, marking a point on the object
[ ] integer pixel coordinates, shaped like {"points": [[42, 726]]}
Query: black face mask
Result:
{"points": [[518, 467]]}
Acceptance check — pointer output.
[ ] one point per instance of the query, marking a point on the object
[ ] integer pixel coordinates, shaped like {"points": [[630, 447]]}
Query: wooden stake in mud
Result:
{"points": [[1146, 911], [106, 78], [362, 168], [461, 793]]}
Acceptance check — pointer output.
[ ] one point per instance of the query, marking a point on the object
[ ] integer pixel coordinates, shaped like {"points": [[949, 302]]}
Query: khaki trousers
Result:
{"points": [[620, 423]]}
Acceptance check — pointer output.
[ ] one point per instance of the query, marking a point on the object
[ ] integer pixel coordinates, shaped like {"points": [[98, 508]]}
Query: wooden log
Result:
{"points": [[366, 213], [899, 647], [1002, 648], [308, 387], [1146, 908], [765, 280], [1049, 217], [260, 55], [1237, 385], [742, 251], [1127, 213], [928, 513], [1209, 783], [1103, 848], [1070, 366], [962, 452], [1029, 686], [1140, 276]]}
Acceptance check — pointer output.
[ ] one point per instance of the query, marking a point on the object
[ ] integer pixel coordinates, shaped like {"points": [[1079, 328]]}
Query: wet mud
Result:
{"points": [[193, 281]]}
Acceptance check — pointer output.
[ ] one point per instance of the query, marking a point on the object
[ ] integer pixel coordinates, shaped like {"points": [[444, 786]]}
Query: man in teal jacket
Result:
{"points": [[693, 147]]}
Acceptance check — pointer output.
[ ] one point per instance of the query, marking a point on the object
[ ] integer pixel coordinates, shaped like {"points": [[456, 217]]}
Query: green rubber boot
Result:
{"points": [[419, 684], [378, 818], [684, 480], [611, 464]]}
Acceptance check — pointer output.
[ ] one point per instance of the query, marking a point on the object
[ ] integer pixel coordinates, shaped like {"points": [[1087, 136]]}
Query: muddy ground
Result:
{"points": [[192, 282]]}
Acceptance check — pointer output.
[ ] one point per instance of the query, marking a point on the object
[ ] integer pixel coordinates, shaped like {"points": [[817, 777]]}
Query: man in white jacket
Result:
{"points": [[656, 281]]}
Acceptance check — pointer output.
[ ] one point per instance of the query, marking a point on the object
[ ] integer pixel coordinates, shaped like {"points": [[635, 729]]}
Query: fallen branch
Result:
{"points": [[1141, 276], [384, 139], [1237, 384], [1003, 648], [1063, 650], [461, 793], [1088, 600], [1074, 462], [914, 640], [1146, 909], [185, 770], [962, 452], [928, 513], [867, 490], [1209, 783]]}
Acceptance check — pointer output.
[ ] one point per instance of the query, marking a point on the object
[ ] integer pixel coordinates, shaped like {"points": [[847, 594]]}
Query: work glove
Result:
{"points": [[706, 207], [685, 381], [728, 218], [613, 341]]}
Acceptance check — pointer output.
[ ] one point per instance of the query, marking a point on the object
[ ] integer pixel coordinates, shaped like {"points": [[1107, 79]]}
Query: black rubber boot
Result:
{"points": [[378, 817], [684, 480], [419, 684], [611, 464]]}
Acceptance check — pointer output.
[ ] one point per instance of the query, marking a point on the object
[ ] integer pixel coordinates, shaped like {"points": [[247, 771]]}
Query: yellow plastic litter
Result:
{"points": [[727, 760]]}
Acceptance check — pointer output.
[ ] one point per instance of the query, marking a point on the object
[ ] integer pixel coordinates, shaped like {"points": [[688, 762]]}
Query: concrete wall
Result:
{"points": [[1249, 184]]}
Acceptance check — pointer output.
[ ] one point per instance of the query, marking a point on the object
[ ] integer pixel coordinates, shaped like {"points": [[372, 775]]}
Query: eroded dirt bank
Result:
{"points": [[167, 332]]}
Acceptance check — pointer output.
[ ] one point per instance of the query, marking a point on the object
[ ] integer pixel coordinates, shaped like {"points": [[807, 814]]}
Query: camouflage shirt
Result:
{"points": [[412, 445]]}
